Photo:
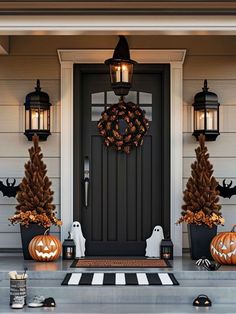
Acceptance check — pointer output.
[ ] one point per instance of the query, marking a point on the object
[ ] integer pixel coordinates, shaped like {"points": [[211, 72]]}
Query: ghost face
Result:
{"points": [[76, 225], [158, 231]]}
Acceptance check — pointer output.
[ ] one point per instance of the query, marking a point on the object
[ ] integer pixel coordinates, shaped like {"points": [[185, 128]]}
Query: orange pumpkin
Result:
{"points": [[223, 247], [45, 248]]}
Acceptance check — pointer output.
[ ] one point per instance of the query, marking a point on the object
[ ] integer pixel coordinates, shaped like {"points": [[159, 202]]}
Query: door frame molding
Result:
{"points": [[67, 58]]}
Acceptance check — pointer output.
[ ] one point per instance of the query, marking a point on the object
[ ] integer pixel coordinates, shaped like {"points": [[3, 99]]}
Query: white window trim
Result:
{"points": [[173, 57]]}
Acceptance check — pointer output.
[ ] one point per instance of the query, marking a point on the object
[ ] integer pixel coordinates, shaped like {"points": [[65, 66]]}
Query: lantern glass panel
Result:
{"points": [[166, 252], [35, 118], [211, 119], [121, 72], [46, 125], [48, 120], [199, 119], [41, 119], [27, 119]]}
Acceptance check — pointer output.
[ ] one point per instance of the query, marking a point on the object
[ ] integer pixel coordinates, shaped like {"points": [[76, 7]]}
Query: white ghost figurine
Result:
{"points": [[77, 236], [154, 242]]}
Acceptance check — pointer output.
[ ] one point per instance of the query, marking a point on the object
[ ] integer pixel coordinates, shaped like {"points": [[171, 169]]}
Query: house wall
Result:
{"points": [[31, 58]]}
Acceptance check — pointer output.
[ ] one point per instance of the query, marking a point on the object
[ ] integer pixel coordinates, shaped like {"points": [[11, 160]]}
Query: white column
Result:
{"points": [[176, 190], [66, 147]]}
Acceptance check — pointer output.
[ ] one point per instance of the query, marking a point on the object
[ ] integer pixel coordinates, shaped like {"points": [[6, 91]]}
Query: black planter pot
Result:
{"points": [[27, 234], [200, 237]]}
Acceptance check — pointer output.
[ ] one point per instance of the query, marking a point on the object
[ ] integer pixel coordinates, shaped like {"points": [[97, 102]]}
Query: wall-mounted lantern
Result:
{"points": [[37, 114], [206, 114], [121, 68]]}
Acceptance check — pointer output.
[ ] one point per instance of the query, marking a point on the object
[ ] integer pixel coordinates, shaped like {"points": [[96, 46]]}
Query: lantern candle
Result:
{"points": [[69, 253], [118, 74], [166, 255], [34, 121], [201, 122], [125, 74], [41, 120], [209, 121]]}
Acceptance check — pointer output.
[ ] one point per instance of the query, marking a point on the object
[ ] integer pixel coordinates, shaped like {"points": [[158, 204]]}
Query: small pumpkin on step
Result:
{"points": [[45, 248], [223, 247]]}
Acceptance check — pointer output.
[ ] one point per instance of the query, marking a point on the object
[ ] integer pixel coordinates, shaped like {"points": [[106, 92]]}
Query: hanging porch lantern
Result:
{"points": [[37, 114], [121, 68], [206, 114]]}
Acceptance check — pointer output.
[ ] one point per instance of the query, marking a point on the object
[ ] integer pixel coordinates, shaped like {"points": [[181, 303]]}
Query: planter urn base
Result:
{"points": [[200, 237], [27, 234]]}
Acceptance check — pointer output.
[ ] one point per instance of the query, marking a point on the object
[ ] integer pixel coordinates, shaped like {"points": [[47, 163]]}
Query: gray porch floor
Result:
{"points": [[45, 279], [16, 262], [127, 309]]}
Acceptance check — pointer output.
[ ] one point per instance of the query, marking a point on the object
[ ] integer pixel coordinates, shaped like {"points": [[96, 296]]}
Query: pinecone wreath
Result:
{"points": [[123, 126]]}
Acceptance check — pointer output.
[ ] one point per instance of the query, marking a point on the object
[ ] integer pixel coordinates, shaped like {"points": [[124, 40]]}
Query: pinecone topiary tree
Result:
{"points": [[35, 196], [201, 196]]}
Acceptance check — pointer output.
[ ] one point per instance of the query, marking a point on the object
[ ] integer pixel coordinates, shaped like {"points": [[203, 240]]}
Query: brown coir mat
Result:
{"points": [[120, 263]]}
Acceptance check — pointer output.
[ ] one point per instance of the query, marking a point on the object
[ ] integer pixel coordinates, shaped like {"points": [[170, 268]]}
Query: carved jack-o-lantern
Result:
{"points": [[223, 247], [45, 248]]}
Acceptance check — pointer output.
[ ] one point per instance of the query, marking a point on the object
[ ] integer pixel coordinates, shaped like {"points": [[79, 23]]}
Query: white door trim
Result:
{"points": [[173, 57]]}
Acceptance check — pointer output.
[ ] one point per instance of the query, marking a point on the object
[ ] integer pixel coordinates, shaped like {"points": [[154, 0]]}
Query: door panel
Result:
{"points": [[128, 194]]}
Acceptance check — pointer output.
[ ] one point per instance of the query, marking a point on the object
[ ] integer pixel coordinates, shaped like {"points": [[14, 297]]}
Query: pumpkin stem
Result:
{"points": [[46, 231], [233, 229]]}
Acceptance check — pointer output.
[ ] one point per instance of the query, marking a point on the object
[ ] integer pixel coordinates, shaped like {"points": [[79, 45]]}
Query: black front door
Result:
{"points": [[127, 194]]}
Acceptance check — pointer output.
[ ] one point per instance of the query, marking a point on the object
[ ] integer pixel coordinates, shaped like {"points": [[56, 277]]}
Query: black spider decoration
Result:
{"points": [[211, 266]]}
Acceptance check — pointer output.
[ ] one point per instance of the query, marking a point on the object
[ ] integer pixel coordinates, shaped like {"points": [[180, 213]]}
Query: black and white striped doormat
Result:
{"points": [[119, 279]]}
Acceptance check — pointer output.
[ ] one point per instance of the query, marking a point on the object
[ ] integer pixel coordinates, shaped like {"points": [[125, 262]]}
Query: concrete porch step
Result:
{"points": [[46, 278], [186, 283], [224, 273], [224, 292], [126, 309]]}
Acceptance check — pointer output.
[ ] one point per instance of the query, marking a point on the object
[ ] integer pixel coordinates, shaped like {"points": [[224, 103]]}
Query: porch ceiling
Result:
{"points": [[75, 17], [114, 25], [117, 7]]}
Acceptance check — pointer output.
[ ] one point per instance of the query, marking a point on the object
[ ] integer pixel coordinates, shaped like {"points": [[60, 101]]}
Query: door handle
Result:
{"points": [[86, 181]]}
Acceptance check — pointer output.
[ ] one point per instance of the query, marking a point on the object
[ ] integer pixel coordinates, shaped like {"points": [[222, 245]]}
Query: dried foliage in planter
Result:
{"points": [[123, 126], [200, 196], [35, 196]]}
